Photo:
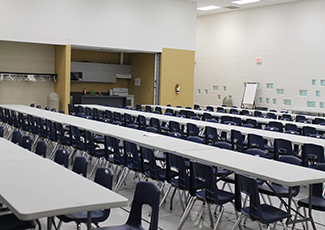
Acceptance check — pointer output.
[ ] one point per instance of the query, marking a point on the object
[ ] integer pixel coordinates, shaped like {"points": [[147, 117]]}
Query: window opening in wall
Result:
{"points": [[322, 82], [225, 88], [219, 96], [198, 91], [258, 85], [206, 91], [245, 84], [215, 88], [230, 96], [311, 104], [274, 101], [317, 93], [287, 102], [313, 82], [321, 104], [303, 92], [269, 85], [267, 100], [260, 100], [280, 91]]}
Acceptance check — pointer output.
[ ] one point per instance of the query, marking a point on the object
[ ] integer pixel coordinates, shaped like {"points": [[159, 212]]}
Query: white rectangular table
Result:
{"points": [[33, 187], [269, 170], [295, 139]]}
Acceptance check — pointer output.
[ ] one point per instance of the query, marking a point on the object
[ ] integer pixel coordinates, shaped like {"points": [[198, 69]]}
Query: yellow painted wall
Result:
{"points": [[98, 57], [143, 68], [62, 68], [176, 67]]}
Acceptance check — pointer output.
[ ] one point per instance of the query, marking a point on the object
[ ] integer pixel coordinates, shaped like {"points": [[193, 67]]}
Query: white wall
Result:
{"points": [[26, 58], [144, 25], [288, 37]]}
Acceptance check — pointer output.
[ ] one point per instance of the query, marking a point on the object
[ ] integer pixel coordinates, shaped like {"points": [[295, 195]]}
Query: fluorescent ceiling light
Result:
{"points": [[205, 8], [241, 2]]}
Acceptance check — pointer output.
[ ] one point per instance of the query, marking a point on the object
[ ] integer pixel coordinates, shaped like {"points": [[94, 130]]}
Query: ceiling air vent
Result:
{"points": [[232, 7]]}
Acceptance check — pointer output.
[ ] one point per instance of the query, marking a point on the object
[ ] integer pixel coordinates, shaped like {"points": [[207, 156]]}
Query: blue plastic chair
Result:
{"points": [[255, 211], [192, 129], [62, 157], [41, 148], [103, 177], [308, 130], [80, 165], [312, 154], [237, 141], [146, 193], [210, 135], [282, 147], [255, 141], [317, 200], [2, 131], [206, 191], [154, 122], [11, 222], [16, 137], [26, 142], [174, 126], [277, 125], [291, 128], [92, 150], [206, 116]]}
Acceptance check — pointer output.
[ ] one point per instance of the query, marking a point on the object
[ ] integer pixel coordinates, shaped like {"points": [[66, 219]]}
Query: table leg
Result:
{"points": [[89, 220], [310, 217], [49, 223]]}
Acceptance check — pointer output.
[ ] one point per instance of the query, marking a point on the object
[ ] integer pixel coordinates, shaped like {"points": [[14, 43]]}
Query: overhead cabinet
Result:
{"points": [[97, 72]]}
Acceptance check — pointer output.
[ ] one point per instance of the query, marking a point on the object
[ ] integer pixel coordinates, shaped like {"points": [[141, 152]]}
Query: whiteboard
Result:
{"points": [[250, 93]]}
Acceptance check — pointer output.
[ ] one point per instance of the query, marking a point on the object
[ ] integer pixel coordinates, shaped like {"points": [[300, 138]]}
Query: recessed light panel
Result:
{"points": [[211, 7], [241, 2]]}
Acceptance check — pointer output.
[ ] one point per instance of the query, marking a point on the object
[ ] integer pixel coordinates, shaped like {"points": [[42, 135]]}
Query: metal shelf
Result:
{"points": [[30, 77]]}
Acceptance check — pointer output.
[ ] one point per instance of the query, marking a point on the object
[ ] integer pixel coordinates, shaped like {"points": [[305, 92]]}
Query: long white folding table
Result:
{"points": [[261, 120], [33, 187], [295, 139], [269, 170]]}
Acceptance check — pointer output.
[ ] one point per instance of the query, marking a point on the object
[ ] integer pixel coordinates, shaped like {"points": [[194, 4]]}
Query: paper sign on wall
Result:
{"points": [[137, 82]]}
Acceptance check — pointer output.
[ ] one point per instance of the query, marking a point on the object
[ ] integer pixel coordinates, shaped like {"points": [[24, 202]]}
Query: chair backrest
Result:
{"points": [[192, 129], [26, 142], [41, 148], [16, 137], [154, 122], [196, 107], [176, 168], [131, 152], [80, 165], [149, 194], [237, 140], [247, 185], [220, 110], [148, 108], [244, 112], [158, 109], [117, 116], [308, 130], [287, 117], [112, 147], [206, 116], [104, 177], [233, 111], [271, 115], [128, 119], [62, 157], [291, 127], [148, 155], [225, 118], [318, 120], [75, 138], [211, 135], [237, 120], [300, 118], [252, 122], [174, 127], [96, 115], [142, 122], [202, 177], [282, 147], [318, 188], [2, 130], [71, 109], [315, 152], [276, 124], [42, 127], [209, 108], [255, 141], [257, 113]]}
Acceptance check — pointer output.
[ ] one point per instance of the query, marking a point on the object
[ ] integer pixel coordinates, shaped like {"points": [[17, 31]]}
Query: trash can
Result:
{"points": [[53, 100], [227, 101]]}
